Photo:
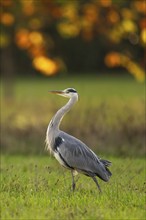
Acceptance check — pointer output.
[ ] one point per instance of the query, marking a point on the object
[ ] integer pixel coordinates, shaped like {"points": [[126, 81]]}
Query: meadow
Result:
{"points": [[36, 187], [109, 117]]}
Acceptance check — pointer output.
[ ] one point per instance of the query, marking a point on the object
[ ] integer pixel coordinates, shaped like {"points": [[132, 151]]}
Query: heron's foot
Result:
{"points": [[73, 186], [73, 181], [100, 191]]}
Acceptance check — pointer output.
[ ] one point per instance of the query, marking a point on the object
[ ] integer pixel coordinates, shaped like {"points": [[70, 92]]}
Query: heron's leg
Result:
{"points": [[73, 181], [95, 180]]}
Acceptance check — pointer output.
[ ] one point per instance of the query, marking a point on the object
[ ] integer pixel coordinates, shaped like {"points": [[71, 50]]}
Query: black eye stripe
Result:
{"points": [[72, 90]]}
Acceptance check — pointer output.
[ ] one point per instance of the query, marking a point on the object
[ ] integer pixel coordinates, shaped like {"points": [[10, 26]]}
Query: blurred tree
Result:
{"points": [[75, 35]]}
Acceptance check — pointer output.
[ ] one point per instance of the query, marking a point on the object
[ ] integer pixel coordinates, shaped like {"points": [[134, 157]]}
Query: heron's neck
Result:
{"points": [[56, 120]]}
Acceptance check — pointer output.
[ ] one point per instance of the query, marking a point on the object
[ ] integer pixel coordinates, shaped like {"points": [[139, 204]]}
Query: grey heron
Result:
{"points": [[70, 152]]}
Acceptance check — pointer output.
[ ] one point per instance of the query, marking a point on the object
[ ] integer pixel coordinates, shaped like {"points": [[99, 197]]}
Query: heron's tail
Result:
{"points": [[108, 172], [107, 164]]}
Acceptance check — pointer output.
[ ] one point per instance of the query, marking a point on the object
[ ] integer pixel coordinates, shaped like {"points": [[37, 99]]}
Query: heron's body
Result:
{"points": [[70, 152]]}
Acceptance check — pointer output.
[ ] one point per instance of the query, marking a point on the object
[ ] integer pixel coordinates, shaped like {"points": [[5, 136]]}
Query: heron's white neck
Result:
{"points": [[56, 120]]}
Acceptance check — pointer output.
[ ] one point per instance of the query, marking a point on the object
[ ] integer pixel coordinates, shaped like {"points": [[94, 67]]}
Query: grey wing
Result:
{"points": [[78, 156]]}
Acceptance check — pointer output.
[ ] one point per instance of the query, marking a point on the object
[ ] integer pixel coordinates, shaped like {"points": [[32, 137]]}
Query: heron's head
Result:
{"points": [[68, 93]]}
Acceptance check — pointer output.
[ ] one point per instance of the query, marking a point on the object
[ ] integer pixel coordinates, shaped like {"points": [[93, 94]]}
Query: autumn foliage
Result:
{"points": [[60, 35]]}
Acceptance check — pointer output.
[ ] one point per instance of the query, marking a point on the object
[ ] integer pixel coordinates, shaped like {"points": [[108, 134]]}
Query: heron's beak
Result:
{"points": [[59, 92]]}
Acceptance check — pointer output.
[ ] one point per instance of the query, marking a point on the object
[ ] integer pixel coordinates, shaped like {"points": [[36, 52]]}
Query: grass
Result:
{"points": [[35, 187]]}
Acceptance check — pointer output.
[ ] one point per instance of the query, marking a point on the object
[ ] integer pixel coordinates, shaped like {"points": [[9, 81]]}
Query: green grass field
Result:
{"points": [[109, 118], [36, 187]]}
